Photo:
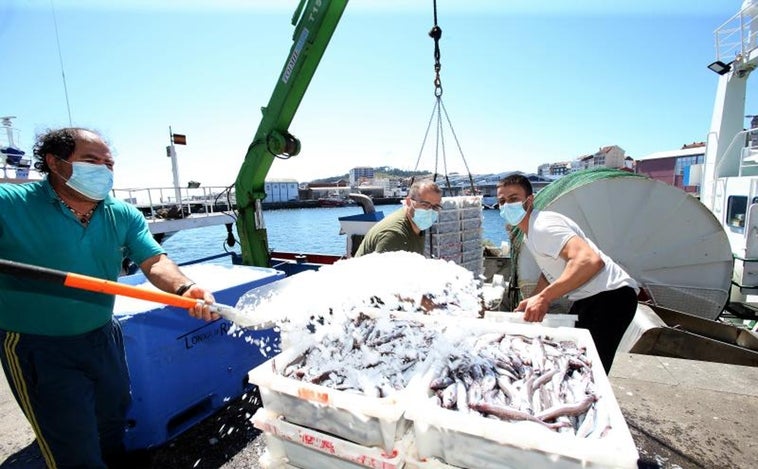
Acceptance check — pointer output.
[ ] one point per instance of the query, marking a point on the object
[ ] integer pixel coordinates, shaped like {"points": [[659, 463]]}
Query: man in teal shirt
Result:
{"points": [[403, 229], [63, 352]]}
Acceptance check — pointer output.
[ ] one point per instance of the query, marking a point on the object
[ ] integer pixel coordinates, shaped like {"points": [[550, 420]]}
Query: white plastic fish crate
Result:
{"points": [[550, 320], [449, 214], [471, 212], [474, 245], [475, 266], [472, 256], [305, 447], [446, 227], [413, 461], [469, 440], [462, 202], [440, 250], [267, 461], [474, 233], [471, 223], [446, 238], [362, 419], [453, 257]]}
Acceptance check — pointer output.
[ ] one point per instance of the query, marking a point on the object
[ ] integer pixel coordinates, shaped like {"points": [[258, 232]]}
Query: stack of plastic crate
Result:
{"points": [[457, 235], [311, 425]]}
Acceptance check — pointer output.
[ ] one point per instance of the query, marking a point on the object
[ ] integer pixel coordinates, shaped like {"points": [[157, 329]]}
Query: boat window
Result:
{"points": [[735, 211]]}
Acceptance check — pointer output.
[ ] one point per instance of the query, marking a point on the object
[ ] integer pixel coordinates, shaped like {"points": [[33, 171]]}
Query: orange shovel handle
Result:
{"points": [[84, 282]]}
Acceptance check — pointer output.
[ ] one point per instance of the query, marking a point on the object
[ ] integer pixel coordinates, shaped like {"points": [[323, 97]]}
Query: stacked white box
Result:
{"points": [[457, 235], [469, 440], [550, 319], [359, 418], [306, 448], [365, 420], [267, 461], [413, 461]]}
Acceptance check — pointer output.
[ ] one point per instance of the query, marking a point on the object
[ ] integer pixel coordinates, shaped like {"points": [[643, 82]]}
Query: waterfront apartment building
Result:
{"points": [[611, 156], [361, 173], [560, 168]]}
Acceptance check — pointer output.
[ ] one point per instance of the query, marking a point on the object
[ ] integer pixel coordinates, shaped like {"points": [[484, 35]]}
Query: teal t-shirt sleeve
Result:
{"points": [[140, 244]]}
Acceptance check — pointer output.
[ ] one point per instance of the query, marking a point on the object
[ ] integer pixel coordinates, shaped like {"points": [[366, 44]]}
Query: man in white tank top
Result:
{"points": [[604, 295]]}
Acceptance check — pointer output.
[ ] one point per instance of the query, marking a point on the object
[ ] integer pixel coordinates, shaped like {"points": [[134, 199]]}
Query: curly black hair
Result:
{"points": [[59, 142]]}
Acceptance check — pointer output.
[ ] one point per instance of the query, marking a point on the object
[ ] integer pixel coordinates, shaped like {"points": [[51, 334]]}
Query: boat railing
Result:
{"points": [[744, 146], [736, 37], [23, 172], [747, 143], [198, 201]]}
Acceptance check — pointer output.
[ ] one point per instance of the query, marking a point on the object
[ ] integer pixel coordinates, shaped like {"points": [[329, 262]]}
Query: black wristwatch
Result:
{"points": [[183, 289]]}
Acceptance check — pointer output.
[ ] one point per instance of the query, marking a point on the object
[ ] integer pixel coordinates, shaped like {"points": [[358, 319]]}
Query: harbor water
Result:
{"points": [[304, 230]]}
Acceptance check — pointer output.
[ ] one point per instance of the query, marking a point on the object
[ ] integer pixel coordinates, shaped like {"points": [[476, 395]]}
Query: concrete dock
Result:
{"points": [[682, 414], [686, 413]]}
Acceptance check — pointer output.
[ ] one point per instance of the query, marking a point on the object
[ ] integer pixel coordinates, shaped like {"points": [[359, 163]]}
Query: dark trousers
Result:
{"points": [[607, 316], [74, 390]]}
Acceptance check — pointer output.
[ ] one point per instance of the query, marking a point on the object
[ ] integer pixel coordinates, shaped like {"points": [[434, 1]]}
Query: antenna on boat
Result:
{"points": [[178, 139], [60, 58], [8, 124]]}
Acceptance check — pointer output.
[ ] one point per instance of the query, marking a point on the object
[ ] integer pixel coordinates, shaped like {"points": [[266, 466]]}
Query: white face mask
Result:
{"points": [[93, 181], [424, 218], [513, 213]]}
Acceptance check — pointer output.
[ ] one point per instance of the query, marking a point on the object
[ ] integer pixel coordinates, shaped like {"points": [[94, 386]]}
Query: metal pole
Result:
{"points": [[175, 171]]}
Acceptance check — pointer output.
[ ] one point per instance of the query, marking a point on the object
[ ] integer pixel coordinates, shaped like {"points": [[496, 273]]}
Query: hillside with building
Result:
{"points": [[681, 168]]}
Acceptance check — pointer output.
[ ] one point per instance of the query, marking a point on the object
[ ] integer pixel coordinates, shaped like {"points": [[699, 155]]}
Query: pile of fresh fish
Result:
{"points": [[371, 356], [519, 378]]}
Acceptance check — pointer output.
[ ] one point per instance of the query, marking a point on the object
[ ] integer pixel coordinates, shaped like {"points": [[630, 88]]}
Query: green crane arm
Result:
{"points": [[317, 22]]}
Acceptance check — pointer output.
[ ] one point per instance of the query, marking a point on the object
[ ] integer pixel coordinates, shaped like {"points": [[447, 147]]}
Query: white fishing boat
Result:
{"points": [[730, 171], [16, 164]]}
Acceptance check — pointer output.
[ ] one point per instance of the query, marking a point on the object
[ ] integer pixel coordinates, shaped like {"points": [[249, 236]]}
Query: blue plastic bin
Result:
{"points": [[183, 369]]}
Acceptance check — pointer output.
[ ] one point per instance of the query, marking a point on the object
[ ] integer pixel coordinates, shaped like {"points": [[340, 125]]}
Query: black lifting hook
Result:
{"points": [[436, 34]]}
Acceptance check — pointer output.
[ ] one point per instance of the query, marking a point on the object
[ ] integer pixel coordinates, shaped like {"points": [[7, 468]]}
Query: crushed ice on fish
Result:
{"points": [[390, 281]]}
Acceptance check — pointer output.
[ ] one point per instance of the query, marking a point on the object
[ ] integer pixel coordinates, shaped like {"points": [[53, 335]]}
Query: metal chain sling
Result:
{"points": [[437, 110]]}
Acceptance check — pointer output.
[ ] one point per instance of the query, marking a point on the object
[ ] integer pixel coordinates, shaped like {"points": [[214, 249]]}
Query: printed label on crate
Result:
{"points": [[321, 397], [205, 334], [333, 446], [314, 441]]}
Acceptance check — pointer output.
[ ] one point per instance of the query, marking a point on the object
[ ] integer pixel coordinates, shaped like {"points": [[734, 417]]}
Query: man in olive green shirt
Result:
{"points": [[403, 229]]}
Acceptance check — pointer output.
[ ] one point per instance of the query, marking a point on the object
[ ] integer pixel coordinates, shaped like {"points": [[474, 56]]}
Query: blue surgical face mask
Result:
{"points": [[513, 213], [93, 181], [424, 218]]}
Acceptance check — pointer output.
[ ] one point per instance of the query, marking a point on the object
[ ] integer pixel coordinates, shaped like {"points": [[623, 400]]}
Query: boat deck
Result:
{"points": [[681, 413], [172, 225]]}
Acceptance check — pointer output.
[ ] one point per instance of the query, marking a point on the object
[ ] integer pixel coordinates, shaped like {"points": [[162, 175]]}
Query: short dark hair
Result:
{"points": [[60, 143], [517, 180], [419, 186]]}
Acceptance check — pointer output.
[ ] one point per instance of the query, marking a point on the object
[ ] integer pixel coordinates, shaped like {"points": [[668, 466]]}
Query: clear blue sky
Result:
{"points": [[525, 81]]}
